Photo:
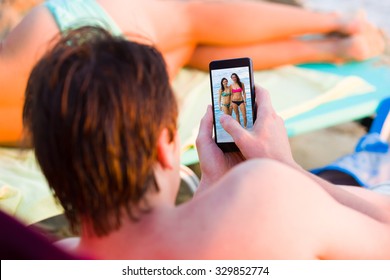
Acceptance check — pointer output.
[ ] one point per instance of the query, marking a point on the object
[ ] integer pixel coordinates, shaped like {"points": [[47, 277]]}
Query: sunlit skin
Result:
{"points": [[192, 36]]}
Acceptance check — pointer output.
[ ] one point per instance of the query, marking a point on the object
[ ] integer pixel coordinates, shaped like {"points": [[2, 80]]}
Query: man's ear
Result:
{"points": [[165, 150]]}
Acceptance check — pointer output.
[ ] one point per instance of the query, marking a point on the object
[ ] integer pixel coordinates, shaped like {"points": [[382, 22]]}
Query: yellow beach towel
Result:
{"points": [[24, 192]]}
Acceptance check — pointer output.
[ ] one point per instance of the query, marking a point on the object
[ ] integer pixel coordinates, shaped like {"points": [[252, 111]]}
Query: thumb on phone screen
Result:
{"points": [[235, 130]]}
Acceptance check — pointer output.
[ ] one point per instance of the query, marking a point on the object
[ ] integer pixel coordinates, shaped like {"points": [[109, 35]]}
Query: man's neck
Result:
{"points": [[125, 242]]}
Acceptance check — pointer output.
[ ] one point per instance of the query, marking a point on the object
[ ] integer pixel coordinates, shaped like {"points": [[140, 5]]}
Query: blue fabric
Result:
{"points": [[368, 168], [372, 143], [78, 13], [382, 115], [370, 164]]}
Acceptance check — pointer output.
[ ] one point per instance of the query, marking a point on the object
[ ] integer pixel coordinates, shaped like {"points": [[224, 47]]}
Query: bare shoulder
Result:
{"points": [[245, 210], [19, 52]]}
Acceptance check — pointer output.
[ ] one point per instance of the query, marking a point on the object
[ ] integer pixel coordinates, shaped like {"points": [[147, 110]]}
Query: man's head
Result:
{"points": [[97, 108]]}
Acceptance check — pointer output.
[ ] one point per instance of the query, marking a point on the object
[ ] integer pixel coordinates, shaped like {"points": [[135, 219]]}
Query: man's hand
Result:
{"points": [[267, 138], [213, 162]]}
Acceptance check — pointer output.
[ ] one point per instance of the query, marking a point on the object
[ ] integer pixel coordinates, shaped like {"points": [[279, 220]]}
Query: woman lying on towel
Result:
{"points": [[102, 117], [186, 33]]}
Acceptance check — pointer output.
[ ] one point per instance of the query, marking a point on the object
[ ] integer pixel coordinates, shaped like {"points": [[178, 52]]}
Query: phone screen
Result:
{"points": [[233, 94]]}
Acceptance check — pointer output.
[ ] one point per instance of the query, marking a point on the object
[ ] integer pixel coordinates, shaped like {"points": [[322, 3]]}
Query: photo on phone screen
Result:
{"points": [[232, 93]]}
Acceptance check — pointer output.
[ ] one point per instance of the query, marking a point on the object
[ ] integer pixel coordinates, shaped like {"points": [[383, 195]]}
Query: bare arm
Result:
{"points": [[268, 139], [318, 221], [337, 230], [19, 52], [366, 203], [243, 92]]}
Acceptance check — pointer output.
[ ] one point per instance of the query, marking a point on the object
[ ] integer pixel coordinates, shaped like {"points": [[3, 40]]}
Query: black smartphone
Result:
{"points": [[233, 93]]}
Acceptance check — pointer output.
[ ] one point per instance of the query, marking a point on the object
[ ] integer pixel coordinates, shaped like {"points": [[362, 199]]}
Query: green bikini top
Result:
{"points": [[226, 94], [78, 13]]}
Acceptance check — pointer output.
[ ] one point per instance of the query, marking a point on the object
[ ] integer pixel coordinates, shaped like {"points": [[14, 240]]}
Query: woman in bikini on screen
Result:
{"points": [[224, 99], [238, 98]]}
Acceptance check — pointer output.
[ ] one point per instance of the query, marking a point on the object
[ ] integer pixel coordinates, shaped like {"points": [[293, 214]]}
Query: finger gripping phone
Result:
{"points": [[232, 93]]}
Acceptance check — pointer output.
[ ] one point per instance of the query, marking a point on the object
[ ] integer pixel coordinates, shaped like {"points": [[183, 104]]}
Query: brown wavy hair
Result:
{"points": [[94, 107]]}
